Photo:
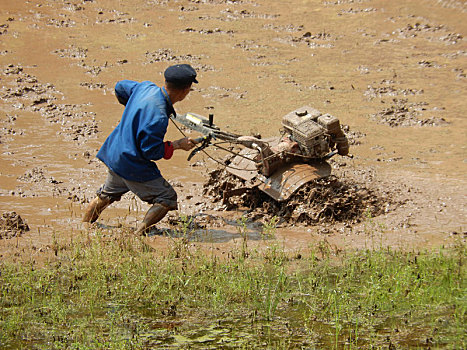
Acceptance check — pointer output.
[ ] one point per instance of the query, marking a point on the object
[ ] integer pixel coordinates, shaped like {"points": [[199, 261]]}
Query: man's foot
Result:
{"points": [[154, 231], [88, 226]]}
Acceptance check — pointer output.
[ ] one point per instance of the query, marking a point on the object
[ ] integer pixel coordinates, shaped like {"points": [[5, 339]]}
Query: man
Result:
{"points": [[138, 140]]}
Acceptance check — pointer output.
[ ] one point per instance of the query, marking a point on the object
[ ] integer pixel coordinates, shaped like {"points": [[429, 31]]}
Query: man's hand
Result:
{"points": [[186, 144]]}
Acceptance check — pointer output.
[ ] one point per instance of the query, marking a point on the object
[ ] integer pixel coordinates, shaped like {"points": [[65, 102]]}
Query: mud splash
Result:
{"points": [[327, 200]]}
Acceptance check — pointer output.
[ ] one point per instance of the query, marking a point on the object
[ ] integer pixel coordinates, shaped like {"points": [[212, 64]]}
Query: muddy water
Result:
{"points": [[394, 72]]}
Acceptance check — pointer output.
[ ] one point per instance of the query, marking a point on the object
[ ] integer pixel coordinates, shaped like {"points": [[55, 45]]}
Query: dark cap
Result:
{"points": [[180, 74]]}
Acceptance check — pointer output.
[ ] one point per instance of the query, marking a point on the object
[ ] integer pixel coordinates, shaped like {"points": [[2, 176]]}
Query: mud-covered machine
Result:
{"points": [[278, 166]]}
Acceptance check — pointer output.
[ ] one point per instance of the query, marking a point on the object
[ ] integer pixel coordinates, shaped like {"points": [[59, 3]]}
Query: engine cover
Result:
{"points": [[303, 126]]}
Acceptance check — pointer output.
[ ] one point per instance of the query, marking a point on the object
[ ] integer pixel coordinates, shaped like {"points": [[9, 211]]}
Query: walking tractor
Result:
{"points": [[279, 165]]}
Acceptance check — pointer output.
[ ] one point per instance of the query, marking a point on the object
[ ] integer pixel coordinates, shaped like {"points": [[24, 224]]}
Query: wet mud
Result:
{"points": [[392, 72], [323, 201], [12, 225], [25, 93]]}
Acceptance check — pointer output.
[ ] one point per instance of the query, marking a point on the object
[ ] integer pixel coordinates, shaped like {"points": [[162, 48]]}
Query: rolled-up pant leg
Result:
{"points": [[153, 191], [114, 187]]}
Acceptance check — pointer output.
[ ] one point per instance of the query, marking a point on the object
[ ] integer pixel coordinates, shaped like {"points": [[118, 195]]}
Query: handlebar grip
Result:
{"points": [[199, 139]]}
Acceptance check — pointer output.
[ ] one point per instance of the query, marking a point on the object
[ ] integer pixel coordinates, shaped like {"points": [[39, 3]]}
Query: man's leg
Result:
{"points": [[152, 217], [160, 194], [112, 190], [95, 208]]}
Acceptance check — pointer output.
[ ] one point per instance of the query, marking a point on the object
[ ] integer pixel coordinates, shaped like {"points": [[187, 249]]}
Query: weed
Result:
{"points": [[180, 238], [269, 228], [243, 231], [275, 255]]}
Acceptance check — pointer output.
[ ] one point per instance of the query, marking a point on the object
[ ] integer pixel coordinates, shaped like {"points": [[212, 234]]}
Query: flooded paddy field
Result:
{"points": [[393, 72]]}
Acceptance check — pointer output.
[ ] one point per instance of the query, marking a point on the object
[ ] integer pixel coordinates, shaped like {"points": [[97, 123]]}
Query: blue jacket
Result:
{"points": [[138, 140]]}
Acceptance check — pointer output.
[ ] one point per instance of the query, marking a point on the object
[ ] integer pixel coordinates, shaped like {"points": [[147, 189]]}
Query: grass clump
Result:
{"points": [[118, 294]]}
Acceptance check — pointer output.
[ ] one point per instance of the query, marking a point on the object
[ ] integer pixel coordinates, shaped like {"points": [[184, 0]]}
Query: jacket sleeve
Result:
{"points": [[123, 90]]}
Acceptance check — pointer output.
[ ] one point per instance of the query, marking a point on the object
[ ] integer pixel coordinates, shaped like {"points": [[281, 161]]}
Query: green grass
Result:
{"points": [[118, 294]]}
